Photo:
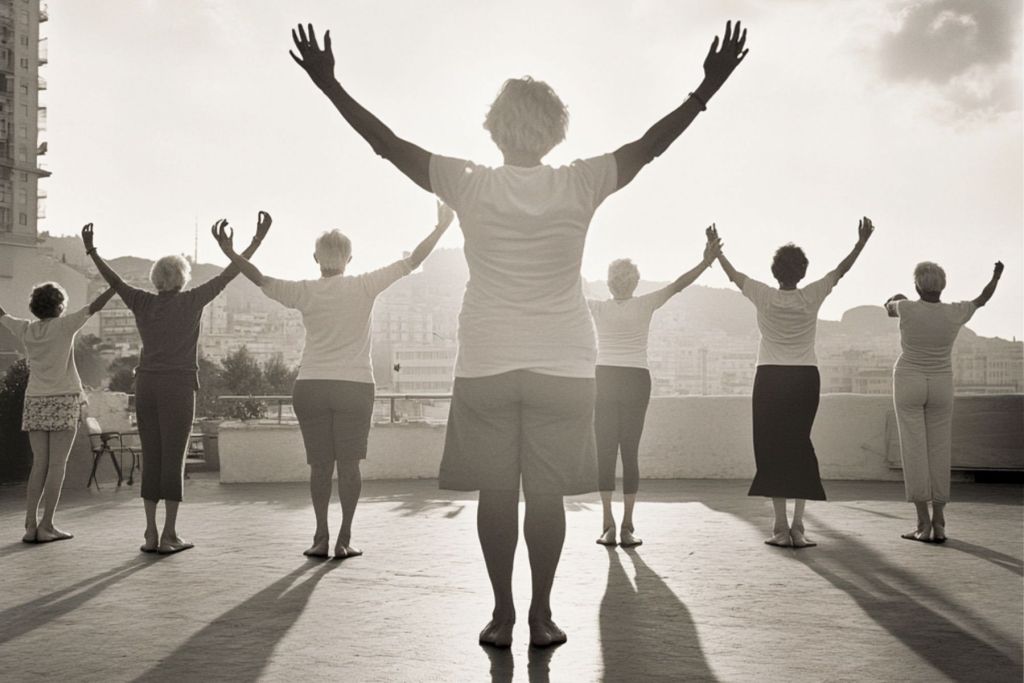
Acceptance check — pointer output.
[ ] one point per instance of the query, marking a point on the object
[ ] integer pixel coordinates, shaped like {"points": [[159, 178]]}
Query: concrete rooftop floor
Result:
{"points": [[702, 599]]}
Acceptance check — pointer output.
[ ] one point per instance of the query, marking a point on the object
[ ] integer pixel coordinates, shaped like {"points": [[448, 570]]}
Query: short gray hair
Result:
{"points": [[170, 273], [333, 250], [623, 276], [929, 277], [527, 116]]}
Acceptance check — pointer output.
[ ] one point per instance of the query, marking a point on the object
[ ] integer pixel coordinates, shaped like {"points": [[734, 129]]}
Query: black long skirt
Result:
{"points": [[785, 402]]}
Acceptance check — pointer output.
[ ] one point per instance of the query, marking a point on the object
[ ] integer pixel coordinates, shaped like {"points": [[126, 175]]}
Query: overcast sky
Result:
{"points": [[166, 112]]}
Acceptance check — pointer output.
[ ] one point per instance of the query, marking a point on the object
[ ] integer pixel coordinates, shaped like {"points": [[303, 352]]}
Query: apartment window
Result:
{"points": [[22, 154], [22, 196], [22, 132], [23, 219], [24, 39], [24, 89], [24, 62]]}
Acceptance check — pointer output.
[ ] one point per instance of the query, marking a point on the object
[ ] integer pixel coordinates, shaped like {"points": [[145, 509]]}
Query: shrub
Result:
{"points": [[16, 454]]}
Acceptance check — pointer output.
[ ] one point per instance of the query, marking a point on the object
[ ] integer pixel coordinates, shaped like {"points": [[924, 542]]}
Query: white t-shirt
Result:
{"points": [[49, 347], [788, 319], [336, 312], [927, 332], [623, 327], [524, 232]]}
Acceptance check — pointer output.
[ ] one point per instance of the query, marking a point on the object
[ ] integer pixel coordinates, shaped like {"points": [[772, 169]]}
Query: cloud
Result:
{"points": [[967, 50]]}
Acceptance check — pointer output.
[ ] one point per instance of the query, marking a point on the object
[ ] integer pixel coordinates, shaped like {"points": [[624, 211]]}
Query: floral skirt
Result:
{"points": [[52, 413]]}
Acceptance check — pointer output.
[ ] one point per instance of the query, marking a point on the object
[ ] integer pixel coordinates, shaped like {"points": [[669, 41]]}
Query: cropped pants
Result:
{"points": [[164, 406], [622, 398], [924, 415]]}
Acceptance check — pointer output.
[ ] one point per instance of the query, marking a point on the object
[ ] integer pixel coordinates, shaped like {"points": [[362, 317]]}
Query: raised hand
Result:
{"points": [[864, 229], [445, 215], [711, 233], [712, 249], [263, 222], [224, 236], [997, 272], [720, 62], [319, 64], [87, 236]]}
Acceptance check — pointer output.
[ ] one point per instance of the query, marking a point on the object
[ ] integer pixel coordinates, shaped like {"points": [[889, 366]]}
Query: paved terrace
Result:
{"points": [[703, 599]]}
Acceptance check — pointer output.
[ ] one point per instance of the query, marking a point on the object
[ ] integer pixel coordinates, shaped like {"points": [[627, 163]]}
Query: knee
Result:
{"points": [[321, 471], [348, 471]]}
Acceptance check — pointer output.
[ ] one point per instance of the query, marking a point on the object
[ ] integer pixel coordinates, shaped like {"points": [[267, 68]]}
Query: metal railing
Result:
{"points": [[392, 399]]}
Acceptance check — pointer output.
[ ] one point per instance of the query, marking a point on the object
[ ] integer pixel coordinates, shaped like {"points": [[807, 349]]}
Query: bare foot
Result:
{"points": [[30, 535], [170, 544], [796, 535], [342, 551], [629, 539], [781, 539], [925, 535], [545, 633], [319, 547], [498, 632], [608, 537], [47, 535], [151, 544], [938, 532]]}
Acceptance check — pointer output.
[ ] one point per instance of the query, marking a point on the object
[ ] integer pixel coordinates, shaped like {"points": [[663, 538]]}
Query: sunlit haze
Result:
{"points": [[167, 114]]}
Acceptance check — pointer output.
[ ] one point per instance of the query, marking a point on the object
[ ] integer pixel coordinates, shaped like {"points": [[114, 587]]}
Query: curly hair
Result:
{"points": [[623, 277], [790, 264], [48, 300], [333, 250], [929, 277], [527, 116], [170, 273]]}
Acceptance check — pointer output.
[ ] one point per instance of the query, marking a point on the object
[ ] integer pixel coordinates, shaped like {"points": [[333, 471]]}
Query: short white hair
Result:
{"points": [[527, 116], [929, 277], [333, 250], [623, 276], [170, 273]]}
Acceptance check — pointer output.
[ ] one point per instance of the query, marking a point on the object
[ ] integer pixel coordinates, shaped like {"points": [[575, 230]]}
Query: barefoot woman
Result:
{"points": [[333, 394], [523, 401], [53, 399], [787, 384], [167, 377]]}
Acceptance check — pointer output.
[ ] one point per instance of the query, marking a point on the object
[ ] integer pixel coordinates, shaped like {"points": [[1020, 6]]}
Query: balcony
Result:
{"points": [[44, 51], [41, 84], [703, 599], [44, 13]]}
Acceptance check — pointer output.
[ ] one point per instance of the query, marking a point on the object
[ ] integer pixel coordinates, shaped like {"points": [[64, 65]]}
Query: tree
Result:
{"points": [[242, 374], [88, 360], [278, 378], [211, 385], [16, 454], [122, 374]]}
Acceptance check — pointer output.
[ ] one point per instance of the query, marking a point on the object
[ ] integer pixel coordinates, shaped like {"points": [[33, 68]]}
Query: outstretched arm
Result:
{"points": [[890, 305], [410, 159], [711, 251], [990, 288], [864, 229], [718, 66], [99, 302], [240, 262], [737, 278], [108, 273], [423, 249]]}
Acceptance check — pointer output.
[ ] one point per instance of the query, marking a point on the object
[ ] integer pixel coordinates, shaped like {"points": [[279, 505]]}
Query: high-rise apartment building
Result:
{"points": [[22, 119]]}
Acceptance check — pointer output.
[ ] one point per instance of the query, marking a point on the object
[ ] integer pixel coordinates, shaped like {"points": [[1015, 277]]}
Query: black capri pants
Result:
{"points": [[621, 406], [165, 404]]}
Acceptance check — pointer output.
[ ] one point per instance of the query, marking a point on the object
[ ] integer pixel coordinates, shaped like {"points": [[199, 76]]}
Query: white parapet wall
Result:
{"points": [[696, 437]]}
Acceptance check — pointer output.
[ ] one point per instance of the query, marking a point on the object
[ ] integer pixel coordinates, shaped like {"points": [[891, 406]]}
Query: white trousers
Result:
{"points": [[924, 414]]}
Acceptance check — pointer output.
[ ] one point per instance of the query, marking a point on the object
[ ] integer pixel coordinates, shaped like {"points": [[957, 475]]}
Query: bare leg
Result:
{"points": [[170, 542], [152, 533], [40, 442], [350, 483], [544, 529], [938, 522], [780, 529], [626, 535], [320, 492], [60, 449], [796, 530], [923, 532], [607, 536], [497, 524]]}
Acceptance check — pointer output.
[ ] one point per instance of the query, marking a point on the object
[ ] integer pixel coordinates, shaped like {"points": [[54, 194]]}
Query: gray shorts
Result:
{"points": [[521, 425], [334, 417]]}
